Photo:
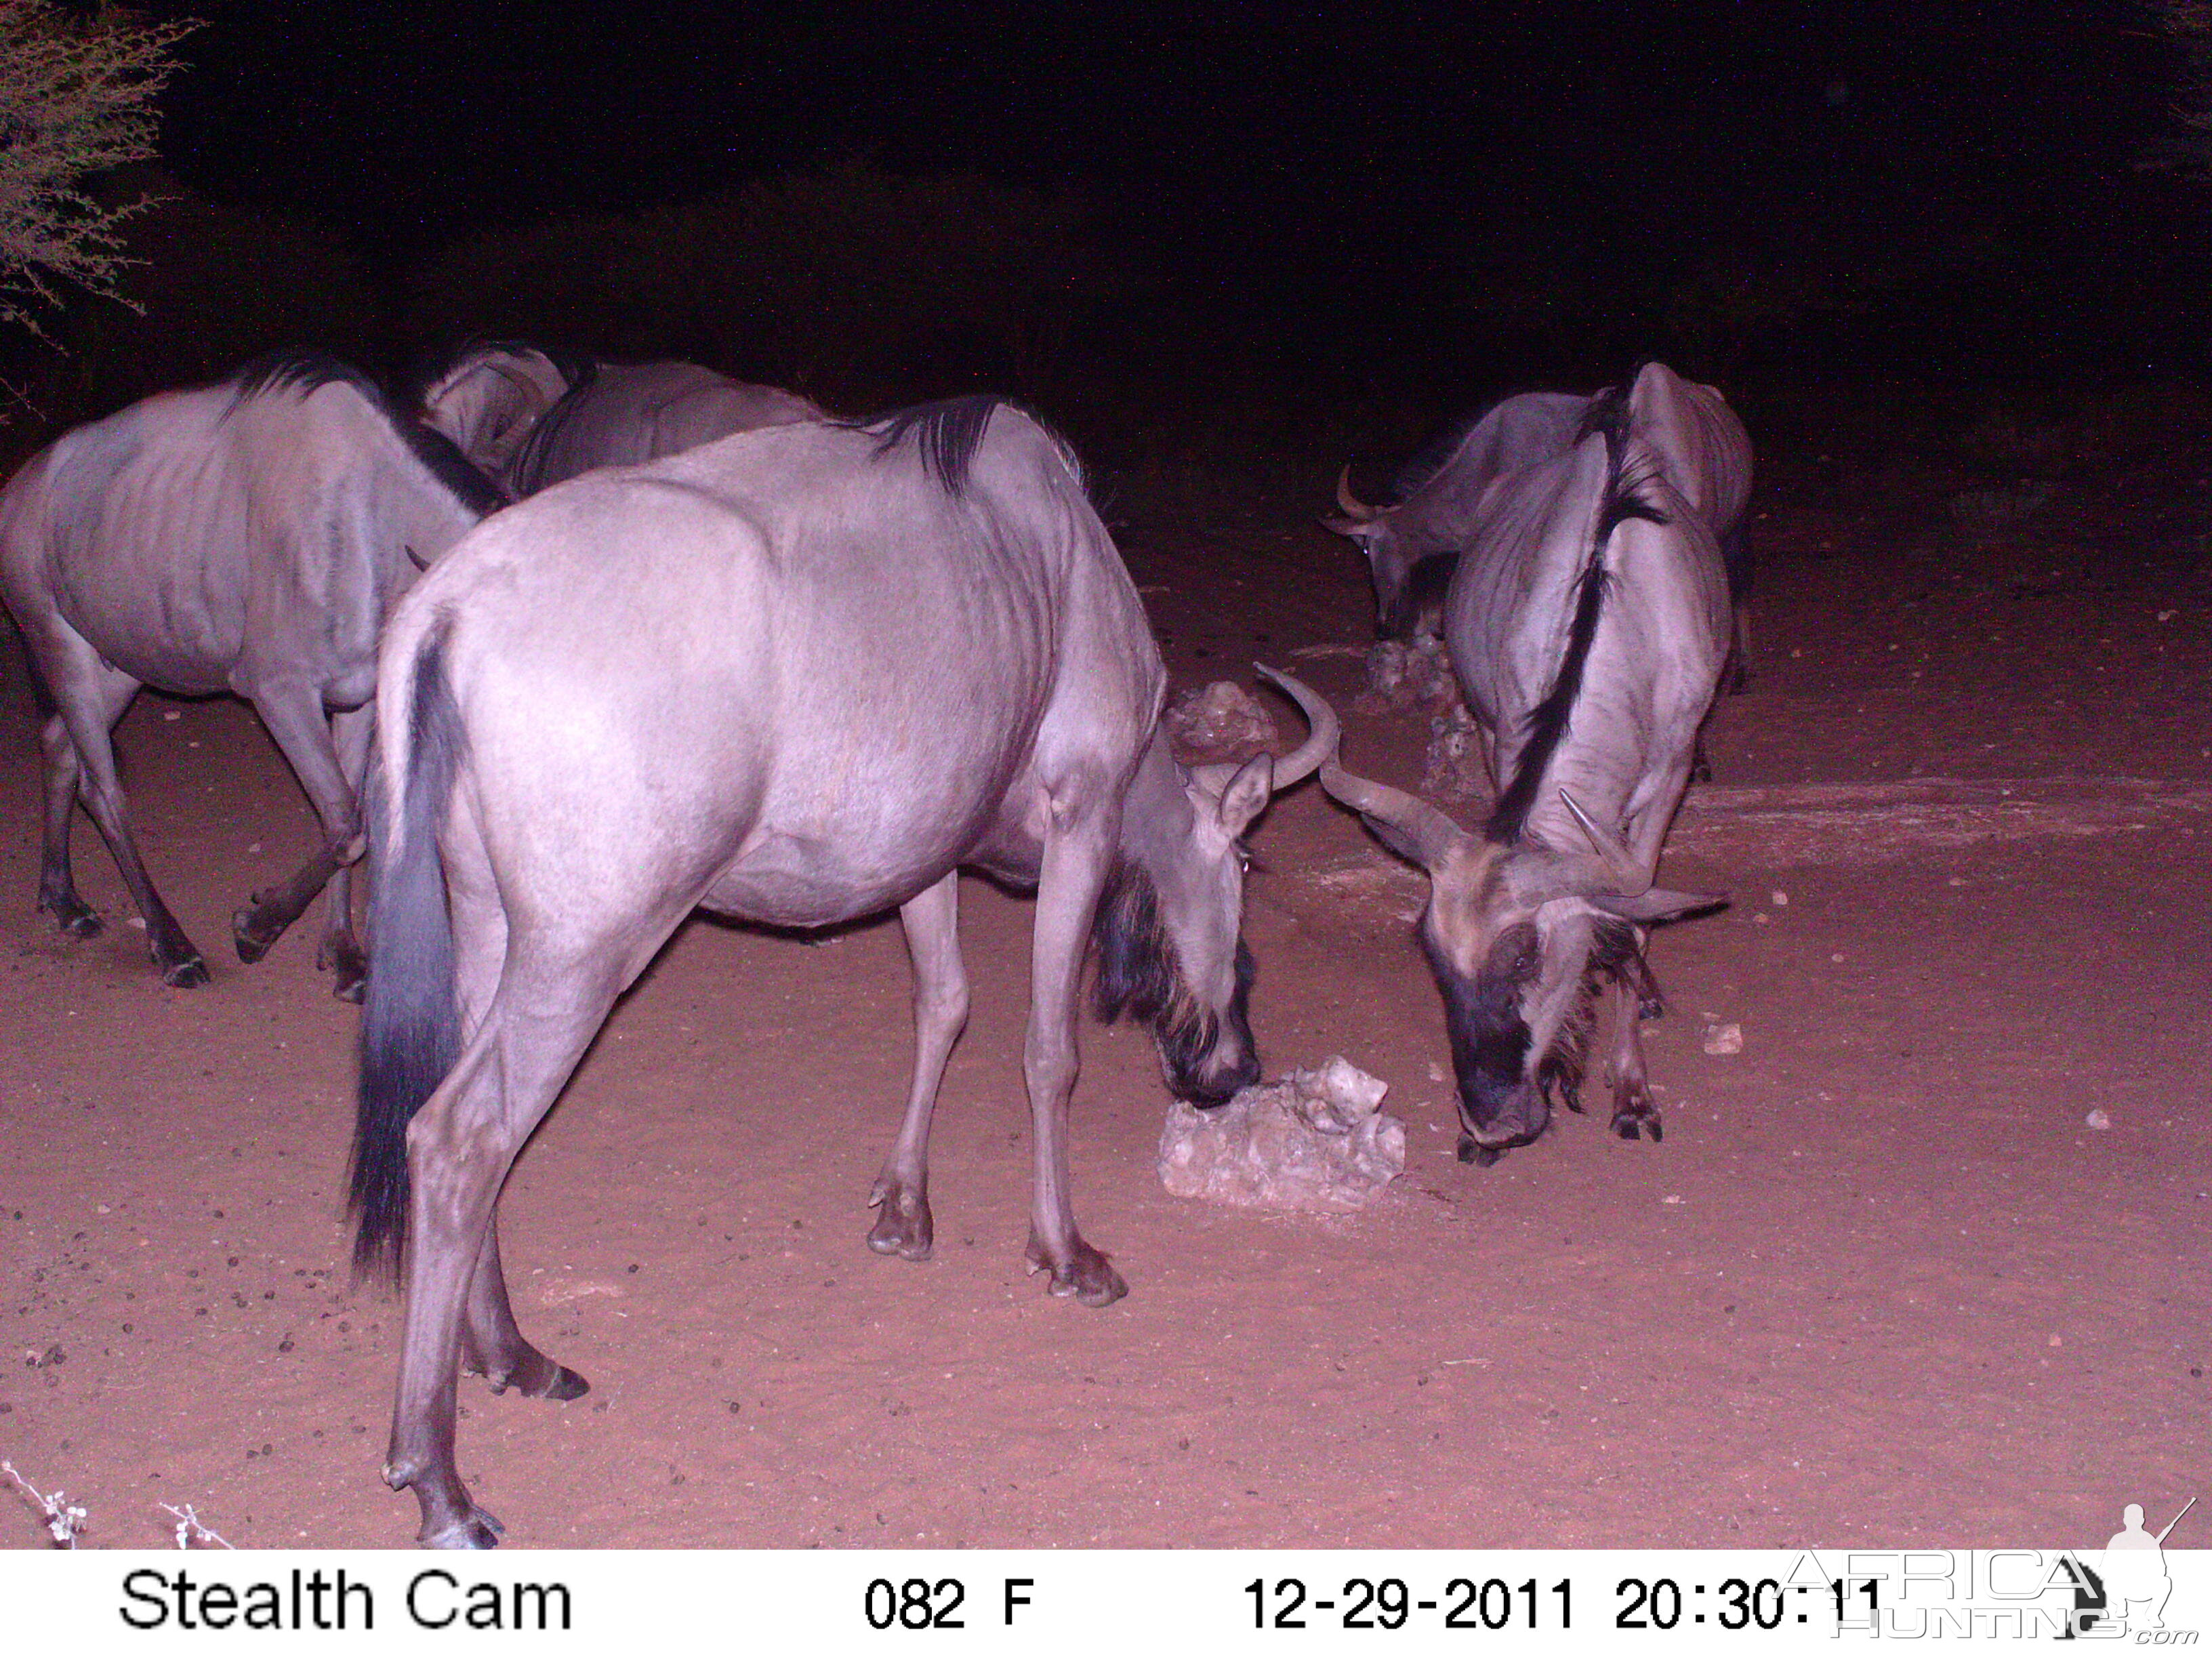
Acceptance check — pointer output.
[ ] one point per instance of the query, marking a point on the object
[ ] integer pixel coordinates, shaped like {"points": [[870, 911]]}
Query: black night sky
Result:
{"points": [[1446, 200]]}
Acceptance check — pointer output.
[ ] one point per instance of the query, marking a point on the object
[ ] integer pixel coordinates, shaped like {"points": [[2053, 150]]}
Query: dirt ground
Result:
{"points": [[1881, 1284]]}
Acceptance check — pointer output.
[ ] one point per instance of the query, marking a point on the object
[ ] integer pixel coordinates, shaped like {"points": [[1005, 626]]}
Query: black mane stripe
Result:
{"points": [[1547, 721], [947, 434], [303, 372]]}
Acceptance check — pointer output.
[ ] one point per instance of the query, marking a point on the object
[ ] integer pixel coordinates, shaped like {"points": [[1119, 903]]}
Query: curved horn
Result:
{"points": [[1353, 506], [1627, 874], [1323, 731]]}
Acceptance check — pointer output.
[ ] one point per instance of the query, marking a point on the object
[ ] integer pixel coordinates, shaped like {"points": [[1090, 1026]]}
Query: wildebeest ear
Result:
{"points": [[1246, 795], [1656, 904]]}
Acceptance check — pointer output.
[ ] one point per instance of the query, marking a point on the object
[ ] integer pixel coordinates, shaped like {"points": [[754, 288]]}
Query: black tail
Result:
{"points": [[411, 1025], [1547, 721]]}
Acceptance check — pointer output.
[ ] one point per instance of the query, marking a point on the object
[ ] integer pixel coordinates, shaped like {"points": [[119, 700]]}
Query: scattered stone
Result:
{"points": [[1223, 722], [1315, 1141], [1724, 1039], [2099, 1119]]}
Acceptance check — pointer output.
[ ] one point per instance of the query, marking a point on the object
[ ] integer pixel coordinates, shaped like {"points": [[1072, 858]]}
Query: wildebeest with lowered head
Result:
{"points": [[795, 677], [248, 537], [532, 417], [1413, 542], [1587, 623]]}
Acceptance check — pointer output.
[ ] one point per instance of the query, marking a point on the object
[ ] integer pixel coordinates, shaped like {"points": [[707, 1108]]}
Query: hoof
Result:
{"points": [[350, 990], [566, 1385], [1633, 1126], [479, 1529], [77, 922], [1472, 1150], [903, 1225], [185, 975], [1086, 1275], [251, 947]]}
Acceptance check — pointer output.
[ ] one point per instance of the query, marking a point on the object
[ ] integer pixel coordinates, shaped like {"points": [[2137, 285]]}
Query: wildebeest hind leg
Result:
{"points": [[900, 1199], [1075, 863], [459, 1148], [58, 894], [92, 698], [493, 1345], [294, 716]]}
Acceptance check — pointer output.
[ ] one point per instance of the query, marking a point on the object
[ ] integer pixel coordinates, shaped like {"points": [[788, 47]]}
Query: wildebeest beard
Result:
{"points": [[1140, 975], [1491, 1040]]}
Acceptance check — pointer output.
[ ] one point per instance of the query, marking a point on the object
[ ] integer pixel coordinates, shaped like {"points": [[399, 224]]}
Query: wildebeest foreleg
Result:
{"points": [[459, 1147], [1074, 871], [1635, 1113], [293, 714], [92, 698], [900, 1198]]}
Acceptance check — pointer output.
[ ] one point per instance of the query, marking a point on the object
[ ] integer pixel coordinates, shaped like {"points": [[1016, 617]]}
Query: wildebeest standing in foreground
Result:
{"points": [[1587, 623], [796, 677], [531, 418], [1412, 544], [248, 537]]}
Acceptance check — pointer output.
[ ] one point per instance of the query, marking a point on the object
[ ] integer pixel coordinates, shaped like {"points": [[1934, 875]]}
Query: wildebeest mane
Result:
{"points": [[1139, 974], [1622, 499], [302, 372], [306, 372], [948, 433]]}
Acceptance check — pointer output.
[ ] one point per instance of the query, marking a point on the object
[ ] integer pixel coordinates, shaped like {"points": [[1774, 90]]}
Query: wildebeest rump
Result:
{"points": [[248, 537], [796, 677], [1587, 623], [531, 418]]}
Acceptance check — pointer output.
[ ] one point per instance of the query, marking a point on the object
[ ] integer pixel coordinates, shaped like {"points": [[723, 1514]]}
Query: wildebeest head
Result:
{"points": [[1512, 931], [487, 400], [1170, 928], [1410, 567]]}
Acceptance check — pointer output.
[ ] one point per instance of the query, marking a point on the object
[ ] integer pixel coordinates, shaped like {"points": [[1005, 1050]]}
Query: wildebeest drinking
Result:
{"points": [[531, 417], [1586, 622], [795, 677], [248, 537]]}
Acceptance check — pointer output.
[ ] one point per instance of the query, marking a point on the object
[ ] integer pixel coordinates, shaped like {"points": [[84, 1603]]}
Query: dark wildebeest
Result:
{"points": [[1413, 542], [795, 677], [248, 537], [531, 419], [1587, 622]]}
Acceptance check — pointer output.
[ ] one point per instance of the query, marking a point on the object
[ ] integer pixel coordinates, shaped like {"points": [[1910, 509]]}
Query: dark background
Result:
{"points": [[1222, 236]]}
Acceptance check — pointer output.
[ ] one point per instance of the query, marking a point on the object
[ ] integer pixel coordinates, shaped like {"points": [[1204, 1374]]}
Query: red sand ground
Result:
{"points": [[1880, 1284]]}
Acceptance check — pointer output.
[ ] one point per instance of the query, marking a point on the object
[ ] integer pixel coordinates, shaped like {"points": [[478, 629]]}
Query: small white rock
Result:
{"points": [[1436, 1072], [1724, 1039], [2098, 1119], [1781, 899], [170, 716], [139, 922]]}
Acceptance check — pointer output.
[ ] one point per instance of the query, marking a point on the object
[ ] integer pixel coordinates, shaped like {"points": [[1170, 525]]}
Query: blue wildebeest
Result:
{"points": [[795, 677], [248, 537], [1412, 544], [1588, 624], [530, 418]]}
